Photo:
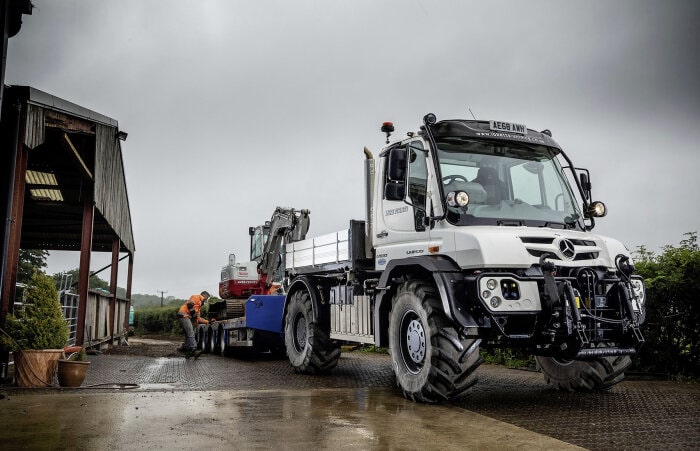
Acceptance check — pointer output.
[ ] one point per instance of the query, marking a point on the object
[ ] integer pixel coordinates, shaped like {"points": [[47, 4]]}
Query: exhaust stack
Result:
{"points": [[369, 205]]}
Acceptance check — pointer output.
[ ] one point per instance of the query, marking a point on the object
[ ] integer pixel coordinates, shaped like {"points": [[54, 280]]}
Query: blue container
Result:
{"points": [[264, 312], [131, 315]]}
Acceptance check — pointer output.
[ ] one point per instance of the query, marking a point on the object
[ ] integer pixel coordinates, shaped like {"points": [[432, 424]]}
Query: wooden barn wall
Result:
{"points": [[111, 197], [119, 317], [97, 318]]}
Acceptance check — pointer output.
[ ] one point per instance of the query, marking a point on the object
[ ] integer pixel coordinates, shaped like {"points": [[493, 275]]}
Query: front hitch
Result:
{"points": [[560, 302]]}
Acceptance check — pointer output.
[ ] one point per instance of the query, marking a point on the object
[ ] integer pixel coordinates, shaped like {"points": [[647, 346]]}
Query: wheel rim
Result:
{"points": [[413, 343], [299, 332]]}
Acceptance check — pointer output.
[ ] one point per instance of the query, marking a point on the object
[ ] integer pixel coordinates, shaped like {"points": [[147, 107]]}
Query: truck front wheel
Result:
{"points": [[584, 375], [309, 347], [432, 360]]}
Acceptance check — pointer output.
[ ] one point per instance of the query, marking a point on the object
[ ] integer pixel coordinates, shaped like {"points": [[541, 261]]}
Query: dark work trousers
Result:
{"points": [[190, 342]]}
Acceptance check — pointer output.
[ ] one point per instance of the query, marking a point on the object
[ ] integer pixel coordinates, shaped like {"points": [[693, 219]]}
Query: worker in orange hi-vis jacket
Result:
{"points": [[188, 314]]}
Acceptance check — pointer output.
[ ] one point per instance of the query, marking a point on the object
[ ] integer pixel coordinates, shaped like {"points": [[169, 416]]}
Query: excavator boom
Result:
{"points": [[286, 225], [240, 280]]}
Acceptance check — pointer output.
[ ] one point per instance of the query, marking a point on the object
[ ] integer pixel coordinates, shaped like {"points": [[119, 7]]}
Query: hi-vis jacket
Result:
{"points": [[191, 308]]}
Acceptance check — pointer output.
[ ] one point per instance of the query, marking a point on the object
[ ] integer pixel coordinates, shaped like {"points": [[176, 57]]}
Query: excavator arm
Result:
{"points": [[286, 224]]}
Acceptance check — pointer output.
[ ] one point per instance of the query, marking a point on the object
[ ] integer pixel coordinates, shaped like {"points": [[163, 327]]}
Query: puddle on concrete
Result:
{"points": [[161, 386], [306, 419]]}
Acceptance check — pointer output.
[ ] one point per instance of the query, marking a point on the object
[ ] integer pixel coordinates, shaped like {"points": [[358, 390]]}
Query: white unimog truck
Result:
{"points": [[477, 233]]}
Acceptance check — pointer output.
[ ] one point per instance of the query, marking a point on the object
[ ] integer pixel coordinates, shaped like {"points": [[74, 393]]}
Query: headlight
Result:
{"points": [[597, 209], [457, 199]]}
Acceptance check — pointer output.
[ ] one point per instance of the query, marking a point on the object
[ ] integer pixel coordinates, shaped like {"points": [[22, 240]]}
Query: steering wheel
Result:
{"points": [[451, 178]]}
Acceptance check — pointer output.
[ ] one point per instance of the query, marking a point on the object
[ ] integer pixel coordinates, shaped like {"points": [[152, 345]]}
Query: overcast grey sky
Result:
{"points": [[233, 107]]}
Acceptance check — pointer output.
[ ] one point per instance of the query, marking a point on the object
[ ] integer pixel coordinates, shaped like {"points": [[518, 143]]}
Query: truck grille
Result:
{"points": [[536, 246]]}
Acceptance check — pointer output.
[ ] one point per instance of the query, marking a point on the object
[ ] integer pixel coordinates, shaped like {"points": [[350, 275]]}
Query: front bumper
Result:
{"points": [[572, 312]]}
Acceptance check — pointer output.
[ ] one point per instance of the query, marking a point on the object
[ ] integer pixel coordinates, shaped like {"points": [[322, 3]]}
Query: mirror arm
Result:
{"points": [[438, 173]]}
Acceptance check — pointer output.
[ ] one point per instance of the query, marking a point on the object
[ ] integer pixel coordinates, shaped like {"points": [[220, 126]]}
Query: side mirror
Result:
{"points": [[395, 188], [585, 184], [397, 165]]}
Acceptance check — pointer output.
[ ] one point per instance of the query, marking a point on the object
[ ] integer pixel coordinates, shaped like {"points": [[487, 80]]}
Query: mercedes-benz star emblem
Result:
{"points": [[567, 249]]}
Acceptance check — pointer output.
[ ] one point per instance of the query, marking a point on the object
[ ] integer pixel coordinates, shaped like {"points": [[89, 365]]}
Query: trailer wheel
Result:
{"points": [[432, 360], [309, 347], [600, 373], [213, 340], [222, 342], [201, 337]]}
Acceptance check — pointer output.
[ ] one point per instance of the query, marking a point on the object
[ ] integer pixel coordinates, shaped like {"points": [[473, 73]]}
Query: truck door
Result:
{"points": [[400, 231]]}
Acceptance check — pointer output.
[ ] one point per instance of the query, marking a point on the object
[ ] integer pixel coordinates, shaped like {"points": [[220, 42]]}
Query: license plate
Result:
{"points": [[508, 127]]}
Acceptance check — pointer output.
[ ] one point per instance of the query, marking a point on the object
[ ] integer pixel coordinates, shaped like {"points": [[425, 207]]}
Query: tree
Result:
{"points": [[30, 260], [40, 323], [672, 328]]}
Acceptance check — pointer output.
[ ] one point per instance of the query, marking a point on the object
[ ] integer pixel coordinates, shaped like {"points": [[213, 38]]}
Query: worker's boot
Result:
{"points": [[196, 354]]}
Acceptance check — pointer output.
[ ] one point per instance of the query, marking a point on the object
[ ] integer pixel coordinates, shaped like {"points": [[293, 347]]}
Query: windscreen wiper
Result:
{"points": [[556, 225]]}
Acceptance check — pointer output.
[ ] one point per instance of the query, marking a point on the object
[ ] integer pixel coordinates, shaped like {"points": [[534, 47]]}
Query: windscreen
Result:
{"points": [[507, 183]]}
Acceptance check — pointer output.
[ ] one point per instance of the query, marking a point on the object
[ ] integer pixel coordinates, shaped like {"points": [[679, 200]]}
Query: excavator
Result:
{"points": [[263, 273], [248, 318]]}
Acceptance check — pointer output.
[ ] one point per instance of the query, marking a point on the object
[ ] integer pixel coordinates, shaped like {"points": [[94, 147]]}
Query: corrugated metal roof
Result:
{"points": [[80, 149], [51, 102]]}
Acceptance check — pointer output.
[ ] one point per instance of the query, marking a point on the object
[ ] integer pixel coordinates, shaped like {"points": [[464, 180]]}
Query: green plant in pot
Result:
{"points": [[37, 333]]}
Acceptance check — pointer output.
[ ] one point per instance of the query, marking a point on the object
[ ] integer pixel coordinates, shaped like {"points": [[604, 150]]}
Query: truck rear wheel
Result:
{"points": [[600, 373], [309, 347], [432, 360]]}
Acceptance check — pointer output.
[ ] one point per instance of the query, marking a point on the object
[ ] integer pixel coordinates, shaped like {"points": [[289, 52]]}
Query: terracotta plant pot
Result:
{"points": [[36, 368], [71, 373]]}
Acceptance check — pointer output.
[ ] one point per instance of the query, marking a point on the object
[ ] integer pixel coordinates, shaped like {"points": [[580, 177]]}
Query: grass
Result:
{"points": [[508, 357]]}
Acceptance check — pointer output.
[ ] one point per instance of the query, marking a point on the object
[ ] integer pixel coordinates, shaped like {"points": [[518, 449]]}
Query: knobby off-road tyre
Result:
{"points": [[309, 347], [600, 373], [431, 360]]}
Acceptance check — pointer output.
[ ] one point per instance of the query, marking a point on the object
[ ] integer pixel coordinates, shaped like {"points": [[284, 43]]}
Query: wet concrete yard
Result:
{"points": [[273, 419], [227, 403]]}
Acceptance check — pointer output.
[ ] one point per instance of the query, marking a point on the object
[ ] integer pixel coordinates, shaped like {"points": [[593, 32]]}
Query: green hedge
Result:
{"points": [[159, 320], [672, 328]]}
